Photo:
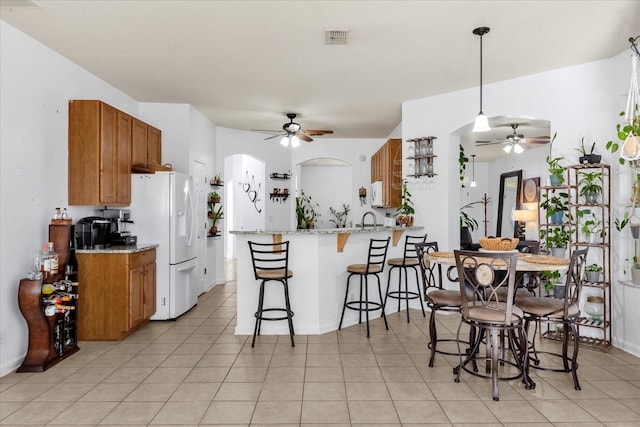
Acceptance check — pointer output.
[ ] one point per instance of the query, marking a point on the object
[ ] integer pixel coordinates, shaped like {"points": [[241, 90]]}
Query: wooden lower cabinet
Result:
{"points": [[117, 294]]}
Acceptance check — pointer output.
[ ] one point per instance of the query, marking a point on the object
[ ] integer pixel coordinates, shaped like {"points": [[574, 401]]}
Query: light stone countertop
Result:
{"points": [[128, 249], [307, 232]]}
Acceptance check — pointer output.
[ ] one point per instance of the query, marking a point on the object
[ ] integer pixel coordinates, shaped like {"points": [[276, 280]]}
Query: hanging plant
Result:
{"points": [[462, 161]]}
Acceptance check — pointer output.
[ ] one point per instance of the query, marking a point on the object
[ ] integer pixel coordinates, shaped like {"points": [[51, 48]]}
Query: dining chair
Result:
{"points": [[271, 264], [559, 312], [373, 267], [486, 273], [436, 297], [409, 261]]}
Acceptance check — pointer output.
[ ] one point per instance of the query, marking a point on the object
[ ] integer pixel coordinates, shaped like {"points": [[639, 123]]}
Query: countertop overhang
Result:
{"points": [[341, 233]]}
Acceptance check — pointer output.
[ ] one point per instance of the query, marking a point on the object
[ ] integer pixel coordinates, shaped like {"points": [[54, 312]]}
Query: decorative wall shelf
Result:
{"points": [[279, 197], [216, 183], [276, 175], [421, 153]]}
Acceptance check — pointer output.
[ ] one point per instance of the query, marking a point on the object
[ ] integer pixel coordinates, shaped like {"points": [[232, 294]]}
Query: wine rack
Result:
{"points": [[52, 322]]}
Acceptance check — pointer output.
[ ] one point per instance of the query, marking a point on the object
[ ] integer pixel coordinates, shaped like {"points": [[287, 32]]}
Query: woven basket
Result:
{"points": [[498, 243]]}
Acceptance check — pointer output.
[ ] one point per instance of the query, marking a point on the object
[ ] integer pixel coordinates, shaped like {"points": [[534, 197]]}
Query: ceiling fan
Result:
{"points": [[292, 132], [514, 141]]}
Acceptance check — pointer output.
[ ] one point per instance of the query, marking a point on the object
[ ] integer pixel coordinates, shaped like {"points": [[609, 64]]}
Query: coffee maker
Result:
{"points": [[118, 233], [92, 232]]}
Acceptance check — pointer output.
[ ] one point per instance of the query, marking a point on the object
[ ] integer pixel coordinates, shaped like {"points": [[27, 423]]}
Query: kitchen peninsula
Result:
{"points": [[318, 259]]}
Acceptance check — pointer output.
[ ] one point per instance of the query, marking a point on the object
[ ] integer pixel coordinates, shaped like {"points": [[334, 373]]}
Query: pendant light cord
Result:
{"points": [[481, 74]]}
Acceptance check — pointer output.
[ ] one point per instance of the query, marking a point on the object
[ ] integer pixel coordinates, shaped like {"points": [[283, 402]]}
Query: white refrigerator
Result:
{"points": [[162, 210]]}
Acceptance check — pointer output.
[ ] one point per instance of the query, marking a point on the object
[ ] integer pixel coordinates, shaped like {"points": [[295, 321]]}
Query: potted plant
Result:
{"points": [[214, 197], [588, 157], [556, 240], [635, 271], [592, 272], [553, 283], [556, 170], [590, 184], [591, 226], [405, 212], [624, 131], [555, 205], [215, 216], [306, 213], [340, 217], [467, 220]]}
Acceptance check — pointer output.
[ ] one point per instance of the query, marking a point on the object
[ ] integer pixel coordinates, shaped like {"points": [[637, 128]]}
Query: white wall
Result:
{"points": [[37, 84]]}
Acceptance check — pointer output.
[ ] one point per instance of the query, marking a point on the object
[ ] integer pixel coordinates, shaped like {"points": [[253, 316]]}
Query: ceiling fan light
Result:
{"points": [[517, 148], [295, 141], [481, 123], [284, 141], [507, 148]]}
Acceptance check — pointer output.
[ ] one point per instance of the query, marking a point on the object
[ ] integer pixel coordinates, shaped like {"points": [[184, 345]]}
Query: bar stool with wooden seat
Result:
{"points": [[408, 261], [271, 263], [373, 267]]}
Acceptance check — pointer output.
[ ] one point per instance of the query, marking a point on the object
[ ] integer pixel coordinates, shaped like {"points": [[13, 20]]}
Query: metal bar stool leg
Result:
{"points": [[384, 316], [289, 313], [344, 306], [256, 329]]}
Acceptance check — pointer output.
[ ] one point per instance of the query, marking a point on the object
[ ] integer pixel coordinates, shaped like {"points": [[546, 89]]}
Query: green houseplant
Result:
{"points": [[552, 283], [556, 170], [590, 184], [555, 205], [588, 157], [215, 215], [467, 220], [306, 212], [592, 272], [214, 197], [556, 240], [405, 212], [340, 217], [590, 226]]}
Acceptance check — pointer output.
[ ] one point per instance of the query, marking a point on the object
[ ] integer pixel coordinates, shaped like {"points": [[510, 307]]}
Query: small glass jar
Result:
{"points": [[594, 307]]}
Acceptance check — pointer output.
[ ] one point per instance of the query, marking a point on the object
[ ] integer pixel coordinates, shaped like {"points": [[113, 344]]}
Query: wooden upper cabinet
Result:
{"points": [[386, 166], [146, 144], [154, 145], [139, 142], [99, 154]]}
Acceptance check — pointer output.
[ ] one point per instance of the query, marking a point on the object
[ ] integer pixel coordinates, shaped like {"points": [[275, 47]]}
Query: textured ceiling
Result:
{"points": [[244, 64]]}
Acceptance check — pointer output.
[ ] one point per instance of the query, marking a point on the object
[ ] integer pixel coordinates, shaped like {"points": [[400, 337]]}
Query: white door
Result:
{"points": [[200, 190]]}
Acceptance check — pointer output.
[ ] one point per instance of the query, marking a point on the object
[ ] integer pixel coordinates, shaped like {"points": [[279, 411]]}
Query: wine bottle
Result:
{"points": [[54, 259], [45, 263]]}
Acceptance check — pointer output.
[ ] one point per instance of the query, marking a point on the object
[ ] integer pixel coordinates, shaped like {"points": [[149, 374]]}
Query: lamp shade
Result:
{"points": [[507, 148], [284, 141], [524, 215], [517, 148], [295, 141], [481, 123]]}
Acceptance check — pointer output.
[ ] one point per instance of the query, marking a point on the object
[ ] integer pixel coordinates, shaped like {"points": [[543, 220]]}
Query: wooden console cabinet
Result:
{"points": [[118, 293]]}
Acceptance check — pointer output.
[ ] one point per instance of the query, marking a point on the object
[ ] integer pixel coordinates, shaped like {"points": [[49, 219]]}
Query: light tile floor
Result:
{"points": [[196, 372]]}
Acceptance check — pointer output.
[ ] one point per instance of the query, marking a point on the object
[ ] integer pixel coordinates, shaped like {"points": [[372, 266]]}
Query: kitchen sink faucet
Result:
{"points": [[375, 221]]}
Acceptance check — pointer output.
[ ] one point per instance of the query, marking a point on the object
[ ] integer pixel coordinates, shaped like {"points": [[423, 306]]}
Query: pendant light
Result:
{"points": [[473, 170], [481, 123]]}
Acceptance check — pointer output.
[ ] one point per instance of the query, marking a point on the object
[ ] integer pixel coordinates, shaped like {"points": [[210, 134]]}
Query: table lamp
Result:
{"points": [[522, 216]]}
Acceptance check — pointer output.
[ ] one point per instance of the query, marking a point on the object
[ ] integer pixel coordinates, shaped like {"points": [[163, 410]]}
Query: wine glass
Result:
{"points": [[35, 272]]}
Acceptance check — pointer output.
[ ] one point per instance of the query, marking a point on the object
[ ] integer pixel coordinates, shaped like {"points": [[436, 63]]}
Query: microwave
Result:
{"points": [[376, 194]]}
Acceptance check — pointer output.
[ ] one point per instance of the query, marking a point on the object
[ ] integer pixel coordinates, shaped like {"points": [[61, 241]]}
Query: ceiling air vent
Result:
{"points": [[336, 37]]}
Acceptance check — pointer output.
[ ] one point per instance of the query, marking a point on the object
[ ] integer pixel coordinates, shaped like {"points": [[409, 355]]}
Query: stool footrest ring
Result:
{"points": [[363, 305], [261, 316]]}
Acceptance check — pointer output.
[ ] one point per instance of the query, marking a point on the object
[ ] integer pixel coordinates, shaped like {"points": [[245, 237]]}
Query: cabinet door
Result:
{"points": [[154, 145], [136, 297], [149, 290], [123, 160], [139, 142], [108, 154]]}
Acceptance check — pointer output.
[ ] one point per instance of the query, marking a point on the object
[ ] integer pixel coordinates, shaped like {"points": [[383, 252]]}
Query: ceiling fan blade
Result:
{"points": [[318, 132], [304, 137], [266, 130], [274, 136], [538, 139], [483, 143]]}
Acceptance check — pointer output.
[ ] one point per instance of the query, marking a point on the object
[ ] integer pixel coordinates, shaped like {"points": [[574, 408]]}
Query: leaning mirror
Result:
{"points": [[508, 202]]}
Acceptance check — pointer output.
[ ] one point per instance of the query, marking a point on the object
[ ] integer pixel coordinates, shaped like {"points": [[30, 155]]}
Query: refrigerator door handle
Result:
{"points": [[189, 218], [186, 266]]}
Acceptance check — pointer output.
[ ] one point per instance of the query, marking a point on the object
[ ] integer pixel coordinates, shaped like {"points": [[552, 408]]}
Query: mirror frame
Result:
{"points": [[503, 178]]}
